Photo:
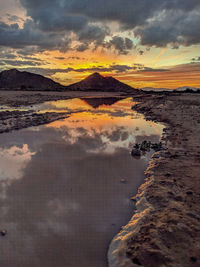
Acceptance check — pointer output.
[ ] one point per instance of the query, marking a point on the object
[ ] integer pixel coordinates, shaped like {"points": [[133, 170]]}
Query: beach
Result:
{"points": [[164, 231]]}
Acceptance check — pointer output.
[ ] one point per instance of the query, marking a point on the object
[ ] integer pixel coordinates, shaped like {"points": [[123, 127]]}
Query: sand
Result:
{"points": [[165, 231]]}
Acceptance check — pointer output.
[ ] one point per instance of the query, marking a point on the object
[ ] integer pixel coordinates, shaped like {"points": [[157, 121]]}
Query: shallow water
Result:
{"points": [[61, 199]]}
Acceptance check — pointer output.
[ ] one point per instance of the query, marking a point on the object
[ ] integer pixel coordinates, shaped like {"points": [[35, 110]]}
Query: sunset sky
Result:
{"points": [[144, 43]]}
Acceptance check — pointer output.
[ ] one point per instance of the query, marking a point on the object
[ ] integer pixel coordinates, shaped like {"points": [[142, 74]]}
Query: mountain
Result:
{"points": [[96, 82], [23, 80], [14, 79]]}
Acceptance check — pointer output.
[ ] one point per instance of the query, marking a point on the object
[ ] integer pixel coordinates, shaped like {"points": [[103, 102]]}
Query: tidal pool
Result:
{"points": [[61, 199]]}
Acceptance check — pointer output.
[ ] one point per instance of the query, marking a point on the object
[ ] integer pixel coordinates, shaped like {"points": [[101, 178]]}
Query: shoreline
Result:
{"points": [[164, 231], [17, 120]]}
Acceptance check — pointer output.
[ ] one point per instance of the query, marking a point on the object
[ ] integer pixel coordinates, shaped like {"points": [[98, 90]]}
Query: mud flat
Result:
{"points": [[15, 120], [165, 230]]}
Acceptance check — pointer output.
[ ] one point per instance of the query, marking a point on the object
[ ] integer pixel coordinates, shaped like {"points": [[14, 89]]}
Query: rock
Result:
{"points": [[189, 193], [156, 146], [137, 146], [3, 232], [135, 153], [145, 146]]}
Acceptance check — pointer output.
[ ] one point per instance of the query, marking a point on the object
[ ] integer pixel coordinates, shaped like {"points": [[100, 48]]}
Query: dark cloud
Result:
{"points": [[30, 35], [174, 27], [60, 58], [112, 68], [82, 47], [7, 56], [77, 58], [196, 59], [31, 58], [122, 45], [156, 23], [14, 18], [93, 32], [146, 69], [22, 62]]}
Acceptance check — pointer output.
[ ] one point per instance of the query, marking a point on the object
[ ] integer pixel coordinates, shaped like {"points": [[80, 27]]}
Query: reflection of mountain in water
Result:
{"points": [[96, 102]]}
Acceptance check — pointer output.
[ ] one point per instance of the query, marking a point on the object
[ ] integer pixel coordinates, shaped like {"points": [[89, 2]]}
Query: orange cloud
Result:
{"points": [[177, 76]]}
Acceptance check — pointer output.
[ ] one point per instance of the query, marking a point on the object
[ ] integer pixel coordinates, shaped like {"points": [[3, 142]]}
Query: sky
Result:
{"points": [[144, 43]]}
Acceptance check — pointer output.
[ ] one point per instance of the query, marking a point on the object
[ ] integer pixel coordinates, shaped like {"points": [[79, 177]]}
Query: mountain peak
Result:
{"points": [[97, 82], [95, 75]]}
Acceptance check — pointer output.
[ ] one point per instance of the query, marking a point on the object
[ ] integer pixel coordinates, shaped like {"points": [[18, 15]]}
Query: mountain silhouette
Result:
{"points": [[14, 79], [97, 82], [22, 80]]}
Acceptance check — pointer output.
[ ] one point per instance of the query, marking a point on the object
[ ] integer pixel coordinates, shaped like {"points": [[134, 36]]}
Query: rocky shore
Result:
{"points": [[165, 230], [18, 119], [15, 120]]}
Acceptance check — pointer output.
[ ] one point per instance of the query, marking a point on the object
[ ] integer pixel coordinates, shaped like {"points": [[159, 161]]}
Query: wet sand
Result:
{"points": [[165, 231], [16, 120]]}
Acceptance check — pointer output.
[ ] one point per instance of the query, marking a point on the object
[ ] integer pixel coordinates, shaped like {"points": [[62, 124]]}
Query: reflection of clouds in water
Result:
{"points": [[58, 208], [95, 141], [68, 205], [69, 201], [116, 113], [13, 160]]}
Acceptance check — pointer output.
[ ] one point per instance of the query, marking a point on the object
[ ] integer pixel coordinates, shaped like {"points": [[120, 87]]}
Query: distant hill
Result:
{"points": [[186, 89], [22, 80], [96, 82]]}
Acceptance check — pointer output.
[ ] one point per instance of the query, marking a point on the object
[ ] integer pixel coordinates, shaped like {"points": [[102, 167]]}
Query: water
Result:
{"points": [[61, 199]]}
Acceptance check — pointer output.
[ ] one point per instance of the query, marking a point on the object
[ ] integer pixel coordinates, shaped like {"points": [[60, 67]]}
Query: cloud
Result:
{"points": [[60, 58], [82, 47], [171, 27], [22, 63], [154, 22], [15, 37], [93, 32], [14, 18], [195, 59], [122, 45], [137, 68], [7, 56]]}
